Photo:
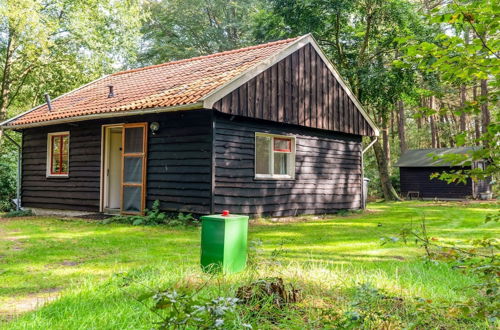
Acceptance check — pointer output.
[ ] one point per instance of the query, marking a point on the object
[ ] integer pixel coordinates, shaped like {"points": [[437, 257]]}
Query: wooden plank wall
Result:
{"points": [[328, 171], [179, 164], [298, 90], [418, 179], [78, 192]]}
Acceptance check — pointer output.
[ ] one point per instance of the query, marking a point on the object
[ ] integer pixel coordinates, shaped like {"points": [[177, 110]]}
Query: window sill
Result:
{"points": [[62, 176], [274, 177]]}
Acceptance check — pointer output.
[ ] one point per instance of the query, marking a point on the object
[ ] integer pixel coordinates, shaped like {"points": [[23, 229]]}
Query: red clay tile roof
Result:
{"points": [[174, 83]]}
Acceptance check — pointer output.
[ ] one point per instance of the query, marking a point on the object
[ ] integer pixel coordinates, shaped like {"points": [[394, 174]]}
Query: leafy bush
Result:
{"points": [[153, 217], [8, 158]]}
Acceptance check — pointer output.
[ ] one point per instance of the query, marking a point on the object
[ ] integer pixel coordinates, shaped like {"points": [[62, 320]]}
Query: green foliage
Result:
{"points": [[181, 310], [181, 29], [8, 166], [57, 45], [152, 217], [20, 213], [479, 258]]}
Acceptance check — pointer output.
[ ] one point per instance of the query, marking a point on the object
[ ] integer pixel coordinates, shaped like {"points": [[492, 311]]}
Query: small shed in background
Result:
{"points": [[415, 170]]}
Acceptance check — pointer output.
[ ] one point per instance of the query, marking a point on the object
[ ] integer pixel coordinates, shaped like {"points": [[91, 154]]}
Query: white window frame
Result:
{"points": [[291, 165], [49, 155]]}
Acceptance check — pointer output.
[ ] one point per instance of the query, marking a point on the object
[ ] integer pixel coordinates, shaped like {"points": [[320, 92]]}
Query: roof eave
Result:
{"points": [[190, 106]]}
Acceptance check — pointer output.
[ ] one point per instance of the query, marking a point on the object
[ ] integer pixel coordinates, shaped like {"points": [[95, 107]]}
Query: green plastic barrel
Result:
{"points": [[224, 242]]}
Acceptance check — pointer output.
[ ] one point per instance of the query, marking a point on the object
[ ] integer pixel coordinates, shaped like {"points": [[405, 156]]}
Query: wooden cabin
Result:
{"points": [[416, 167], [264, 130]]}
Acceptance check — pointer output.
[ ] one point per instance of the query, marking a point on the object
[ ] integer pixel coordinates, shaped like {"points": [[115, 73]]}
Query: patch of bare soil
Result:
{"points": [[15, 239], [16, 306]]}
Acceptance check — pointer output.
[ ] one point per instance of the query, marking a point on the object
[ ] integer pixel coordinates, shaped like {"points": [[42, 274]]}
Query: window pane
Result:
{"points": [[65, 144], [262, 155], [56, 144], [65, 164], [131, 199], [282, 144], [281, 162], [56, 163], [132, 169], [133, 139]]}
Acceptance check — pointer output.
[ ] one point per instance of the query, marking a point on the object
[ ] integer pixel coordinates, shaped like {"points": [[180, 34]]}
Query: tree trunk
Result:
{"points": [[401, 126], [463, 115], [386, 144], [485, 112], [433, 126], [477, 119], [388, 190]]}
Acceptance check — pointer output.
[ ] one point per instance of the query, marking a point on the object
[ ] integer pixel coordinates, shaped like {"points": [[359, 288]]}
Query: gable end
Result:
{"points": [[300, 89]]}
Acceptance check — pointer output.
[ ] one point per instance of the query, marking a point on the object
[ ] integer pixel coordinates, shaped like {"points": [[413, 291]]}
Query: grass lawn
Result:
{"points": [[74, 268]]}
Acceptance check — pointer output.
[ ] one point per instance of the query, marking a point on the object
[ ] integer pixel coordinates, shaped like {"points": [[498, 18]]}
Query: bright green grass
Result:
{"points": [[80, 261]]}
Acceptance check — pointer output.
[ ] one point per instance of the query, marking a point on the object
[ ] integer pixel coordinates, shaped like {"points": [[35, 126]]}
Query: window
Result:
{"points": [[58, 154], [274, 157]]}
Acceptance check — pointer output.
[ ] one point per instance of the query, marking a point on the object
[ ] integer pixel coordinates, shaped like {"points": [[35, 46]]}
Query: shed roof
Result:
{"points": [[426, 157], [194, 83]]}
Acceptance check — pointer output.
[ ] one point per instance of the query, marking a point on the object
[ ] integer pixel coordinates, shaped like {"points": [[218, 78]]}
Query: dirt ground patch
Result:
{"points": [[15, 306]]}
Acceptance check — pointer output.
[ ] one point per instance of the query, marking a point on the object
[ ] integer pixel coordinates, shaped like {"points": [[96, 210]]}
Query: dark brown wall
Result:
{"points": [[328, 171], [298, 90], [418, 179], [179, 164]]}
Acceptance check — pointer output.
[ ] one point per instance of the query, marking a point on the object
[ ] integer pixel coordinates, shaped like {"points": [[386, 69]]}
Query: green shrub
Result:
{"points": [[8, 158], [153, 217], [20, 213]]}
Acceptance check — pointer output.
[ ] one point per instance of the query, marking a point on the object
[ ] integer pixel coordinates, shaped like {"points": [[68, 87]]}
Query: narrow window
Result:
{"points": [[274, 157], [58, 154]]}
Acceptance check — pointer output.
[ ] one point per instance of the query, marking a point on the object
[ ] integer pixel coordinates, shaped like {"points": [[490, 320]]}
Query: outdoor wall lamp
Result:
{"points": [[154, 127]]}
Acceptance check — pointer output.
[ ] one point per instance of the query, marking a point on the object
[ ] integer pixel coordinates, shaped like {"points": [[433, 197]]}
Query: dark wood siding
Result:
{"points": [[179, 164], [78, 192], [299, 90], [418, 179], [328, 171]]}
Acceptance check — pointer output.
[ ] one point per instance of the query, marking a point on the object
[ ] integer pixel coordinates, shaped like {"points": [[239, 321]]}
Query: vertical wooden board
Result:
{"points": [[266, 87], [258, 96], [340, 106], [307, 86], [326, 116], [243, 100], [235, 103], [356, 120], [294, 78], [251, 98], [314, 80], [347, 113], [301, 88], [288, 109], [280, 76], [319, 92], [352, 114], [226, 104], [273, 115], [331, 96]]}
